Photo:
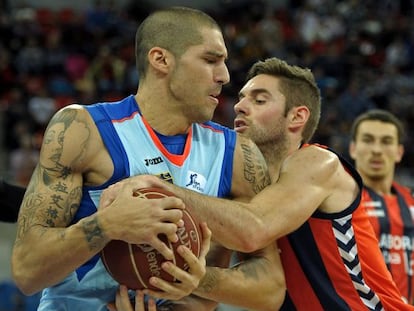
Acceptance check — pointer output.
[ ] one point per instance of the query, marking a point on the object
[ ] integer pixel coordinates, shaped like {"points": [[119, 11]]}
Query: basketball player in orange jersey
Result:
{"points": [[377, 147], [164, 129], [329, 251]]}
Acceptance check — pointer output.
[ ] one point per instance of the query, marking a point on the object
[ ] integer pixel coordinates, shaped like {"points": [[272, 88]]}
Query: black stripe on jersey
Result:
{"points": [[318, 278]]}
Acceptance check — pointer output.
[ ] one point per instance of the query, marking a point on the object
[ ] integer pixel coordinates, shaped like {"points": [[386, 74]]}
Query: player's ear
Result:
{"points": [[298, 116], [160, 59], [351, 149], [400, 153]]}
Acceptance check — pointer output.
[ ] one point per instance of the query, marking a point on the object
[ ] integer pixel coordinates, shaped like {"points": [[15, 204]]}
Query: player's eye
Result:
{"points": [[260, 100], [211, 60]]}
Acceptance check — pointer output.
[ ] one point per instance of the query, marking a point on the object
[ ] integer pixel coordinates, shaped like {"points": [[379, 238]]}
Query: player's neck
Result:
{"points": [[381, 186], [161, 116], [274, 154]]}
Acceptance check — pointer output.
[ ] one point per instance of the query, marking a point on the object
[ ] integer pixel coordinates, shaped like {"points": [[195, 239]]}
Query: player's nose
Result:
{"points": [[222, 74], [240, 107]]}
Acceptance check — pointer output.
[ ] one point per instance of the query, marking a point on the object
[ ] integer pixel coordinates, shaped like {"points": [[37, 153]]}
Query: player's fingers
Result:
{"points": [[172, 203], [144, 181], [168, 229], [151, 305], [190, 258], [139, 301], [162, 248], [122, 299], [169, 211], [205, 246], [108, 195], [165, 290], [173, 216]]}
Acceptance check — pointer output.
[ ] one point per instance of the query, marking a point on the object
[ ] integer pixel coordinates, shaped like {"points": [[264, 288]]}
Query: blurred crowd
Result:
{"points": [[361, 52]]}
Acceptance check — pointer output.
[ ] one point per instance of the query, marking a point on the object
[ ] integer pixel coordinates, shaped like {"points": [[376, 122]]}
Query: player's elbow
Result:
{"points": [[254, 238], [275, 295], [22, 277], [272, 303], [272, 299], [23, 283]]}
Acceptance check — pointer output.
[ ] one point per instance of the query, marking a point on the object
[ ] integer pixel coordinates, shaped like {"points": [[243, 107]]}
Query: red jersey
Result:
{"points": [[392, 217], [333, 262]]}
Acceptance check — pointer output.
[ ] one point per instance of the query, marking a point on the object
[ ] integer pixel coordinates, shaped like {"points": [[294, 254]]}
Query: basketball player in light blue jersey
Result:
{"points": [[164, 130]]}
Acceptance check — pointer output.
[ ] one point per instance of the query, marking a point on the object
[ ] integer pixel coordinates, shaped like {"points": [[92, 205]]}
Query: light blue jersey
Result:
{"points": [[205, 166]]}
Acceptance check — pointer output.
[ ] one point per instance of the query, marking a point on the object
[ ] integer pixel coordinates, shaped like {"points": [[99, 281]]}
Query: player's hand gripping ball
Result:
{"points": [[133, 264]]}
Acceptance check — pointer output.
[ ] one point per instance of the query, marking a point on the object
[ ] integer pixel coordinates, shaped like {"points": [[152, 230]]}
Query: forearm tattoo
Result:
{"points": [[93, 233], [254, 268], [209, 281], [255, 169]]}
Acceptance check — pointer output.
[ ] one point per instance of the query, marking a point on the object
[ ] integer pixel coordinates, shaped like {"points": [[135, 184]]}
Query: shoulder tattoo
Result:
{"points": [[62, 151]]}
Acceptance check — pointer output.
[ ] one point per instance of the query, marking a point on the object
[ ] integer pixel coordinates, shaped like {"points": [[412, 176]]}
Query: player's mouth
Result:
{"points": [[213, 95], [240, 125], [214, 99], [376, 164]]}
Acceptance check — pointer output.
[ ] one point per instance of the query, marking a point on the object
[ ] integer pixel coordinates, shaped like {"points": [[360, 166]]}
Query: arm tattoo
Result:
{"points": [[210, 281], [93, 233], [252, 269], [255, 169], [56, 206], [54, 141]]}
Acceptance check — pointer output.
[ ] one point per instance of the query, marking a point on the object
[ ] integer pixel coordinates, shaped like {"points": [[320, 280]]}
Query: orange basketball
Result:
{"points": [[133, 264]]}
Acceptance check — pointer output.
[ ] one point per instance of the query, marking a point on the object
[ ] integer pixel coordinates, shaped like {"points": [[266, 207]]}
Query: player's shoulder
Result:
{"points": [[217, 127], [73, 110], [313, 160], [403, 189], [74, 124], [317, 153]]}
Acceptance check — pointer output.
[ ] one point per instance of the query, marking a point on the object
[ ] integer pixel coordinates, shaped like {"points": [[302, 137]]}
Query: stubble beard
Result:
{"points": [[272, 143]]}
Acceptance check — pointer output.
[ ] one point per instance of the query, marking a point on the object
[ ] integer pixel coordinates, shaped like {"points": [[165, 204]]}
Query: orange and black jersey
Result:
{"points": [[392, 217], [333, 262]]}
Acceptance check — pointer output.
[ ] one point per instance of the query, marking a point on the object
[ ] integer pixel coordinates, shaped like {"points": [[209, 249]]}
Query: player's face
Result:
{"points": [[260, 112], [199, 75], [376, 149]]}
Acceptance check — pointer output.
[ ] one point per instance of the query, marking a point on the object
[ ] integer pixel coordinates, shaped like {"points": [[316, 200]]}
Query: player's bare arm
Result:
{"points": [[250, 176], [72, 155], [256, 283], [51, 200], [310, 179]]}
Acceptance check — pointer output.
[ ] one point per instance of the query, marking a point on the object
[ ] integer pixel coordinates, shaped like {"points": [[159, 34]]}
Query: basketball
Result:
{"points": [[133, 264]]}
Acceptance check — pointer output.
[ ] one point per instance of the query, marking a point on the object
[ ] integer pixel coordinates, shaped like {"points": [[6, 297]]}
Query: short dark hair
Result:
{"points": [[174, 29], [299, 87], [378, 115]]}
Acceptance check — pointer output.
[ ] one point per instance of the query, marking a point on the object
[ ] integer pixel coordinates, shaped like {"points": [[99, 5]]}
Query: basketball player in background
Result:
{"points": [[165, 130], [11, 197], [377, 147], [329, 251]]}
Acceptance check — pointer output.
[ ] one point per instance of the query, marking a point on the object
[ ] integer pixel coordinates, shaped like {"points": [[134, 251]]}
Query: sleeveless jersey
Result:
{"points": [[333, 262], [205, 166], [393, 221]]}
